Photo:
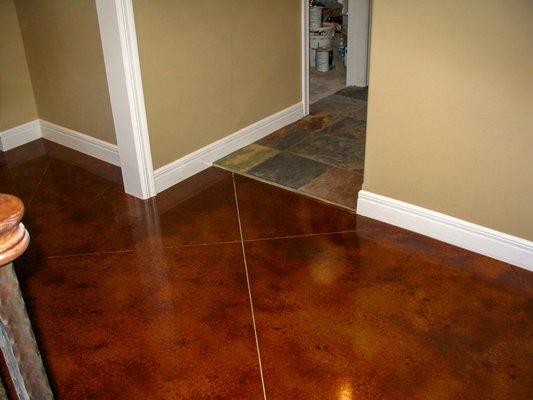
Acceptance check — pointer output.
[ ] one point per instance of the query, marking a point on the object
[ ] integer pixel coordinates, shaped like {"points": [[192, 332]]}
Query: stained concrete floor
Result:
{"points": [[223, 287], [321, 155]]}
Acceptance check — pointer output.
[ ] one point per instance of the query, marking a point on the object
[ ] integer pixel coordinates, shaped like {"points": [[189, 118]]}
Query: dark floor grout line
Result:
{"points": [[317, 159], [39, 183], [303, 235], [249, 288], [96, 253], [201, 244], [169, 247]]}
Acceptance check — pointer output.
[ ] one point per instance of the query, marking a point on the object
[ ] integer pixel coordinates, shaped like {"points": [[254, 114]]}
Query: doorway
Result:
{"points": [[321, 155], [328, 37], [340, 30]]}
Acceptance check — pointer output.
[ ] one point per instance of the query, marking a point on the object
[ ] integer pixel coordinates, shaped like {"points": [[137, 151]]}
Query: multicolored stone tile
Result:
{"points": [[354, 92], [321, 121], [337, 186], [340, 105], [331, 136], [332, 150], [288, 136], [359, 113], [289, 170], [246, 158], [348, 128]]}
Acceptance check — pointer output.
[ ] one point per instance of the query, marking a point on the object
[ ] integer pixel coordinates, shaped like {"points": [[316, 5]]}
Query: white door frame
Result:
{"points": [[305, 56], [121, 57], [358, 42]]}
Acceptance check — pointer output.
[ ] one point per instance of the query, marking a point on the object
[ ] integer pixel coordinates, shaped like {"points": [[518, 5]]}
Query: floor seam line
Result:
{"points": [[249, 288], [301, 236], [200, 244], [99, 253], [39, 183], [170, 247]]}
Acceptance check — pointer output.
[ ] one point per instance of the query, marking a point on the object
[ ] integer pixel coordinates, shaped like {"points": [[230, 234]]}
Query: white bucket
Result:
{"points": [[315, 18], [324, 59], [312, 57], [321, 37]]}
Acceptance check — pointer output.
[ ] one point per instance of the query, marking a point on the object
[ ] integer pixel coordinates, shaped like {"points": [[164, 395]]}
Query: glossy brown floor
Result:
{"points": [[151, 300]]}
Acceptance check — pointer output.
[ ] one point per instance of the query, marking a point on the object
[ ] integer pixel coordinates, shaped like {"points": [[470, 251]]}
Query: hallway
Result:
{"points": [[176, 297]]}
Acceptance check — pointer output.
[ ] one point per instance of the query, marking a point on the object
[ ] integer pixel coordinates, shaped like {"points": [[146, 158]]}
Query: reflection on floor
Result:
{"points": [[321, 155], [136, 299]]}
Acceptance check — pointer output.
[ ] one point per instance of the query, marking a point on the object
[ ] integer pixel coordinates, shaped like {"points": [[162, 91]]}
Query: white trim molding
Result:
{"points": [[191, 164], [72, 139], [19, 135], [305, 55], [477, 238], [123, 71], [81, 142], [358, 42]]}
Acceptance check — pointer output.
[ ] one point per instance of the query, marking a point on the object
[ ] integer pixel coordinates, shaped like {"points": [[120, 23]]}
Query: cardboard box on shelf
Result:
{"points": [[331, 13]]}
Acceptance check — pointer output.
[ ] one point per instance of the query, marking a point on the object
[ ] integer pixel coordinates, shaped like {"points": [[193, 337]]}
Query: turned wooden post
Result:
{"points": [[17, 342]]}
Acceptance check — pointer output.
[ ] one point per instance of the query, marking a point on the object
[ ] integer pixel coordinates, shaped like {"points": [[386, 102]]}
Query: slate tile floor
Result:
{"points": [[321, 155], [224, 287]]}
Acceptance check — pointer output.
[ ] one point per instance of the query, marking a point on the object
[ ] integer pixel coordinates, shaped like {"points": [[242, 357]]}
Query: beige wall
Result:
{"points": [[450, 120], [213, 67], [17, 105], [66, 63]]}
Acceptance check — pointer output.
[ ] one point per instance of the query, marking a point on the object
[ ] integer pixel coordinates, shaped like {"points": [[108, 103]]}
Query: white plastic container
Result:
{"points": [[319, 38], [312, 58], [315, 18], [324, 59]]}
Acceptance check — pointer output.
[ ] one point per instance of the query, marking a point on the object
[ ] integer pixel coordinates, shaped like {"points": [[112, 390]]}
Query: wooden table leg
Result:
{"points": [[17, 343], [3, 395]]}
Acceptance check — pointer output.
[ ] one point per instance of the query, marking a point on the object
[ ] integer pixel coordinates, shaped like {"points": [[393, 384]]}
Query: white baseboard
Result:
{"points": [[19, 135], [466, 235], [186, 166], [78, 141], [81, 142]]}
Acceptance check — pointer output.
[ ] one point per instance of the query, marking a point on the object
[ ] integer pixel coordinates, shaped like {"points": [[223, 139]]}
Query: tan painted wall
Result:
{"points": [[64, 53], [450, 120], [17, 104], [213, 67]]}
